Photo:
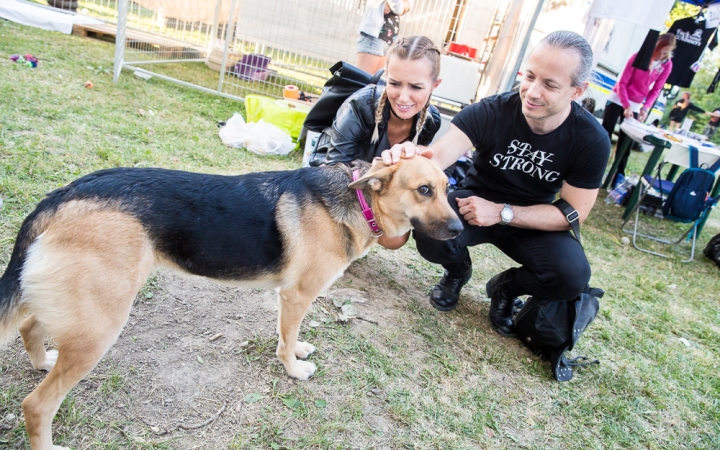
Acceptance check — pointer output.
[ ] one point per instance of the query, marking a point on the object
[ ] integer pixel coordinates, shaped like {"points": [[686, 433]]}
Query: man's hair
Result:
{"points": [[572, 41]]}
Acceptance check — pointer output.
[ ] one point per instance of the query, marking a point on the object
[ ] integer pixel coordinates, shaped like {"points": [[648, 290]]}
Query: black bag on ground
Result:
{"points": [[712, 249], [346, 79], [550, 328]]}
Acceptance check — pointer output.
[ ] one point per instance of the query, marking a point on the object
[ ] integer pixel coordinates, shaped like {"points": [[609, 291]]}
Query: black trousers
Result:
{"points": [[612, 113], [553, 263]]}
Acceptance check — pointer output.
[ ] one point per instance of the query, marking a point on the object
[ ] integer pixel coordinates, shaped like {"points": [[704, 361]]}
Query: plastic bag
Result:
{"points": [[287, 118], [260, 137]]}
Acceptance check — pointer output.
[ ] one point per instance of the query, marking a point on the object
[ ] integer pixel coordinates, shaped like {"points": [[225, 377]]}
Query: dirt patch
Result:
{"points": [[192, 356]]}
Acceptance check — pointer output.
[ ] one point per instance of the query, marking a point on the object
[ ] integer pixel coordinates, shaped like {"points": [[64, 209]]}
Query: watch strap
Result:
{"points": [[571, 215]]}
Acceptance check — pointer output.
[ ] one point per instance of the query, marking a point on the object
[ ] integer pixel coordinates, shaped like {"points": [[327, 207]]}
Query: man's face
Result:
{"points": [[546, 89]]}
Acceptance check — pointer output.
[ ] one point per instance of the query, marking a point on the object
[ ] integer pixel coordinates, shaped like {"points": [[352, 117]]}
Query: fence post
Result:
{"points": [[228, 35], [120, 39]]}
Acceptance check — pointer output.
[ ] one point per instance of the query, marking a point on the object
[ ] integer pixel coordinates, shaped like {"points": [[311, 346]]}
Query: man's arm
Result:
{"points": [[480, 212], [443, 152]]}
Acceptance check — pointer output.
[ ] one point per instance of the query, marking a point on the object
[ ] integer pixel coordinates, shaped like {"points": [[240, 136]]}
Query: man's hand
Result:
{"points": [[478, 211], [404, 150]]}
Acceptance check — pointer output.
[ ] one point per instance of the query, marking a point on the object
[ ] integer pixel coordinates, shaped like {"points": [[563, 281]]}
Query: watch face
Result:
{"points": [[506, 214]]}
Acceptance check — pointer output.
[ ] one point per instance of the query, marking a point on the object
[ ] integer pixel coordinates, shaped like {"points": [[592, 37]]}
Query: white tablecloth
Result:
{"points": [[679, 152]]}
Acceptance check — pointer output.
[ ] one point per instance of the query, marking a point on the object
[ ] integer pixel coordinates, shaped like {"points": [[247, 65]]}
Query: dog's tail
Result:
{"points": [[11, 310]]}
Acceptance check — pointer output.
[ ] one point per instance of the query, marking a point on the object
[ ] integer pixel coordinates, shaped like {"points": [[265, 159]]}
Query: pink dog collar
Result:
{"points": [[366, 210]]}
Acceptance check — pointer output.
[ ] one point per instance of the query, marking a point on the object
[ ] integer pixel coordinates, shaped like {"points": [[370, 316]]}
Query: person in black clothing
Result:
{"points": [[712, 124], [680, 110], [530, 146]]}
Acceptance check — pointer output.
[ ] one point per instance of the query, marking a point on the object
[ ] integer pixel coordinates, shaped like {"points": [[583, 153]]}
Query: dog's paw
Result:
{"points": [[303, 349], [59, 447], [302, 370], [51, 357]]}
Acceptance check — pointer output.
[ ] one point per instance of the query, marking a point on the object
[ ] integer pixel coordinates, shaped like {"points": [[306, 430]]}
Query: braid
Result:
{"points": [[378, 117], [420, 123]]}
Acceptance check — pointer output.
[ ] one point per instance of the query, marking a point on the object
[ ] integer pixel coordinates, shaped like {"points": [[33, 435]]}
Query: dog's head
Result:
{"points": [[410, 194]]}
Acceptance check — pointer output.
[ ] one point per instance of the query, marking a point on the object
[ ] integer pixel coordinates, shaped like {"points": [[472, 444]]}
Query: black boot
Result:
{"points": [[444, 296], [501, 303]]}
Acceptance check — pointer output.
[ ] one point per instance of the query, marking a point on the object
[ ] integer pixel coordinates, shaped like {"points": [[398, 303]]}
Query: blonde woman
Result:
{"points": [[377, 117]]}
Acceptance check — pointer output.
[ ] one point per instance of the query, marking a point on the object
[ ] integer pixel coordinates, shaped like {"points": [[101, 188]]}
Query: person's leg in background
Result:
{"points": [[624, 160], [611, 114], [371, 53], [709, 131]]}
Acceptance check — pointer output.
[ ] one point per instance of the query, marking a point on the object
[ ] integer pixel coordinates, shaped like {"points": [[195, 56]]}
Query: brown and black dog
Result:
{"points": [[81, 257]]}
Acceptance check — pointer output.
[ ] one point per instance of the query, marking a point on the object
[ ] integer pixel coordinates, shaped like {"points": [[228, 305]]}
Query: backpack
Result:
{"points": [[712, 249], [346, 79], [550, 328], [687, 199]]}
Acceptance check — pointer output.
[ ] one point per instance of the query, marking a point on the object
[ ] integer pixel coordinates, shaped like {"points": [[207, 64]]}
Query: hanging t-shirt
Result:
{"points": [[692, 38], [511, 164], [390, 28]]}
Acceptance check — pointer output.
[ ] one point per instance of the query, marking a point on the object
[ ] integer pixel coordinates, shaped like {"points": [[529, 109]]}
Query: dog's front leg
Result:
{"points": [[292, 308]]}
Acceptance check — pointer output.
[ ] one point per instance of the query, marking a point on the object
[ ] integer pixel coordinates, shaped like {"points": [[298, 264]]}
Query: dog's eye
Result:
{"points": [[425, 190]]}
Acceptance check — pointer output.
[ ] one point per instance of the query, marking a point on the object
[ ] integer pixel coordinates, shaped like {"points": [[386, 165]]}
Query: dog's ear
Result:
{"points": [[378, 175]]}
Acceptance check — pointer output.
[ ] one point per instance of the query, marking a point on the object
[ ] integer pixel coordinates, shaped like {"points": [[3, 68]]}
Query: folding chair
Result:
{"points": [[678, 203]]}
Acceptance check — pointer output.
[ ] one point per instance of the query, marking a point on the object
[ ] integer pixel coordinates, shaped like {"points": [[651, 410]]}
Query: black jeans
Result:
{"points": [[553, 263], [612, 113]]}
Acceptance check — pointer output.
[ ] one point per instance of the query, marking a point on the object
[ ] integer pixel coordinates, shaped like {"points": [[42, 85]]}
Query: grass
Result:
{"points": [[433, 381]]}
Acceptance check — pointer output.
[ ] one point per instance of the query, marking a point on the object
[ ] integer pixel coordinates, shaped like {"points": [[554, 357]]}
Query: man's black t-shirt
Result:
{"points": [[511, 164]]}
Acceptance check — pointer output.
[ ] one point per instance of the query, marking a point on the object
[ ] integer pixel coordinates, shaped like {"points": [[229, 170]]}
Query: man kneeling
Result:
{"points": [[530, 146]]}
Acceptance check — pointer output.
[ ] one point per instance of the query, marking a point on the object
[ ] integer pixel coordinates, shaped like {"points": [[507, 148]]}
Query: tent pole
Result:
{"points": [[523, 49]]}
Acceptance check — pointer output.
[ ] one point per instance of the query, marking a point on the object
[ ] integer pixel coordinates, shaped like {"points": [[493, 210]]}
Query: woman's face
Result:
{"points": [[409, 85], [662, 53]]}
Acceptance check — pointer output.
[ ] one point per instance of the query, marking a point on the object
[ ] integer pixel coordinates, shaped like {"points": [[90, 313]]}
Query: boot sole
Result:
{"points": [[498, 331], [442, 308], [450, 308]]}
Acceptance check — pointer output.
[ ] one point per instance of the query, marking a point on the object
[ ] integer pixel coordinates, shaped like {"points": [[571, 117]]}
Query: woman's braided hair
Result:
{"points": [[410, 49]]}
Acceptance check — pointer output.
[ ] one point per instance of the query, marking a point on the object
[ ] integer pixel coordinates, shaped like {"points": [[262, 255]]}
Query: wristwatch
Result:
{"points": [[506, 215]]}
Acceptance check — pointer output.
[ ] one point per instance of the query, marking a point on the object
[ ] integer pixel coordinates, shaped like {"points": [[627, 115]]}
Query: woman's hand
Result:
{"points": [[642, 114], [628, 113], [404, 150]]}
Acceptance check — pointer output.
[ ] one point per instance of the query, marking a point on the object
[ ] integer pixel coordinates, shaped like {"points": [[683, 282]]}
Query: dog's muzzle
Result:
{"points": [[440, 230]]}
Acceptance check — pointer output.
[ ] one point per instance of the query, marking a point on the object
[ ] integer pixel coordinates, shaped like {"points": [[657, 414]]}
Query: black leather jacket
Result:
{"points": [[350, 135]]}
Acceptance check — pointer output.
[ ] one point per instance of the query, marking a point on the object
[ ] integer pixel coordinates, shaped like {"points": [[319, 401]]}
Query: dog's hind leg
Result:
{"points": [[79, 282], [33, 336], [76, 359]]}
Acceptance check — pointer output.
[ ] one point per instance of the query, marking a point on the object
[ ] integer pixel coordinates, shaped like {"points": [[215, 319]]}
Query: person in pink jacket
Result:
{"points": [[636, 91]]}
